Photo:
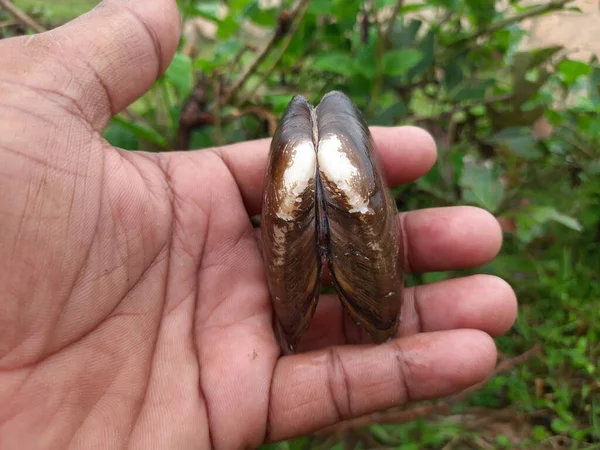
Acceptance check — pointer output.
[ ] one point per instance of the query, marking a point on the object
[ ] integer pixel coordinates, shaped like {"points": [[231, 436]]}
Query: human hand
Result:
{"points": [[134, 310]]}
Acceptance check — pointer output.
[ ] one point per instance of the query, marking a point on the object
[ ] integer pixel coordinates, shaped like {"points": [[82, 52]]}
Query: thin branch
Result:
{"points": [[282, 49], [373, 10], [574, 141], [395, 416], [392, 20], [194, 114], [261, 113], [130, 115], [381, 48], [282, 27], [218, 131], [8, 23], [501, 24], [21, 16]]}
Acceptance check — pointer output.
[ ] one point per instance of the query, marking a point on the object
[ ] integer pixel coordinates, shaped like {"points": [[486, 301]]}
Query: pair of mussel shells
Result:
{"points": [[326, 206]]}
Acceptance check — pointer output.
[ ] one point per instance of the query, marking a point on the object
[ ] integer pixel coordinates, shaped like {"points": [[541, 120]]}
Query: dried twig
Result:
{"points": [[8, 23], [283, 22], [194, 114], [451, 443], [21, 16], [482, 444], [261, 113], [395, 416]]}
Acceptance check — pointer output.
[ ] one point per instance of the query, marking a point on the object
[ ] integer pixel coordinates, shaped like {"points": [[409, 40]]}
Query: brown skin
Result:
{"points": [[133, 306]]}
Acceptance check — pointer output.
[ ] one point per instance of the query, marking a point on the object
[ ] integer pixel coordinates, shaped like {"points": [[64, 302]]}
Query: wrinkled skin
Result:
{"points": [[133, 305]]}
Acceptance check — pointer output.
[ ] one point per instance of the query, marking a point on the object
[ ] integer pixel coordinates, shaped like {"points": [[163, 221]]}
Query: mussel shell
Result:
{"points": [[363, 249], [289, 223], [326, 199]]}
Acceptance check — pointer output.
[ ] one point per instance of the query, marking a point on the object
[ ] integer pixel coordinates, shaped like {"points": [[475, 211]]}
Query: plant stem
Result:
{"points": [[284, 19], [21, 16], [383, 36], [500, 24], [282, 49], [392, 20]]}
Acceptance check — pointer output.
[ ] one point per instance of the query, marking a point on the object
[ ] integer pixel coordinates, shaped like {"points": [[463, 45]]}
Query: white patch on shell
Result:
{"points": [[296, 178], [337, 168], [375, 246], [279, 234]]}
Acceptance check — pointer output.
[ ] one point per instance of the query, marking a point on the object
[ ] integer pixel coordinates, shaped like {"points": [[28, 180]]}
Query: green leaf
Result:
{"points": [[180, 73], [120, 136], [503, 441], [320, 7], [400, 61], [413, 7], [279, 102], [594, 86], [518, 141], [222, 54], [483, 11], [559, 426], [481, 187], [202, 137], [523, 62], [433, 183], [340, 63], [531, 221], [346, 11], [379, 4], [548, 213], [142, 132], [404, 36], [453, 5], [427, 48], [540, 433], [471, 91], [381, 433], [453, 74], [571, 71], [263, 17], [390, 107], [208, 10], [237, 6], [366, 62], [228, 27]]}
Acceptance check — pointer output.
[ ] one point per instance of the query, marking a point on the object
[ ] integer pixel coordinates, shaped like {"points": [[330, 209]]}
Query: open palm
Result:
{"points": [[134, 310]]}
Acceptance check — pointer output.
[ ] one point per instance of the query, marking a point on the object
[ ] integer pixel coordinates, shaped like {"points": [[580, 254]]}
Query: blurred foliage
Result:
{"points": [[518, 133], [54, 12]]}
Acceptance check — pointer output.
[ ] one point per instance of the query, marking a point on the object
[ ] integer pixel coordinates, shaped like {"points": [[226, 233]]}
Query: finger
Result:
{"points": [[103, 60], [449, 238], [481, 302], [314, 390], [405, 153]]}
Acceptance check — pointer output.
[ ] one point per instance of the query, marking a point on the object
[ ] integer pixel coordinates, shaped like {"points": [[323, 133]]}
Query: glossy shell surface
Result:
{"points": [[326, 204]]}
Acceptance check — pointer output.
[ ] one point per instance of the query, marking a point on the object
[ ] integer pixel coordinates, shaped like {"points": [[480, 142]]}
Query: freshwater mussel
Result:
{"points": [[326, 206]]}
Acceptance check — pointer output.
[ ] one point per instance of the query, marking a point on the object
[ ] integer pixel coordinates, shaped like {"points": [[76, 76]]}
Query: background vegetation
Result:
{"points": [[518, 133]]}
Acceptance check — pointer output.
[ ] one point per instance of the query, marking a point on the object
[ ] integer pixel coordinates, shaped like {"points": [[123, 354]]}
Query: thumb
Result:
{"points": [[100, 62]]}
